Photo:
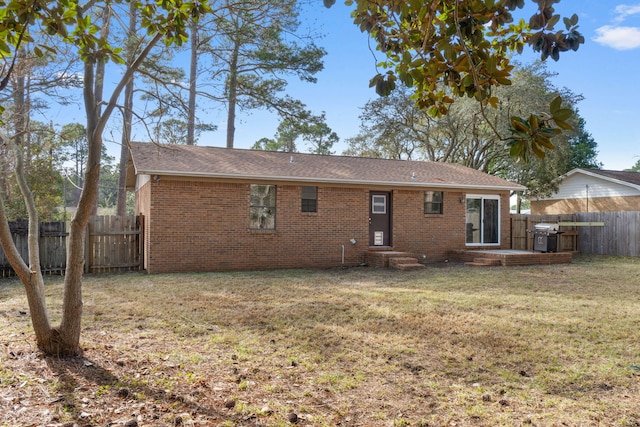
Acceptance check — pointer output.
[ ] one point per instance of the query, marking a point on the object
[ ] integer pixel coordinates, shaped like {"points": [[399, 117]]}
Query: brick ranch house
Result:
{"points": [[217, 209]]}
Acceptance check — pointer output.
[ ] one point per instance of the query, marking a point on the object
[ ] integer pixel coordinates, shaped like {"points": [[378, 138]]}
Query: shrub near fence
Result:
{"points": [[113, 243]]}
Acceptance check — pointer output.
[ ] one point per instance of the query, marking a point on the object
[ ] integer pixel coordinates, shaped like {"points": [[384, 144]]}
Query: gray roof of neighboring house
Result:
{"points": [[216, 162], [630, 177]]}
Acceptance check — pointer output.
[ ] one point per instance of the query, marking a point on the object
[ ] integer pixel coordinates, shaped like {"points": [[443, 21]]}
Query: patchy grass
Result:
{"points": [[543, 345]]}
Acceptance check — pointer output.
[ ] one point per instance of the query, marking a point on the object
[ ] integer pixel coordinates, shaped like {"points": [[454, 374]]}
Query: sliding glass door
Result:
{"points": [[483, 220]]}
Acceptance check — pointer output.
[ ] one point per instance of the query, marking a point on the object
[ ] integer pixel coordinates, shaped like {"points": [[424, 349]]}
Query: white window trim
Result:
{"points": [[374, 204], [483, 197]]}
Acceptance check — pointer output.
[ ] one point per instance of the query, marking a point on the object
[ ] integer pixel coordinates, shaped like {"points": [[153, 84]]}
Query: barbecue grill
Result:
{"points": [[545, 237]]}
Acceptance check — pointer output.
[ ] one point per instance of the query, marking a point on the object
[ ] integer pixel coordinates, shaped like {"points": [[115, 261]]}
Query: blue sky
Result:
{"points": [[604, 70]]}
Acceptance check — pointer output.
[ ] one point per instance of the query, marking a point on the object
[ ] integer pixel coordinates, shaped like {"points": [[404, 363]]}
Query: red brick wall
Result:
{"points": [[431, 235], [436, 235], [204, 226]]}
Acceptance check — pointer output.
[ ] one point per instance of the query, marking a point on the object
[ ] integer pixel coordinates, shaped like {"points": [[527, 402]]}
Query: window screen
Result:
{"points": [[309, 196], [433, 202]]}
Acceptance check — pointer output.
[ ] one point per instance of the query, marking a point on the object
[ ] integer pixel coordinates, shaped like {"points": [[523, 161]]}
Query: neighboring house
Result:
{"points": [[215, 209], [592, 190]]}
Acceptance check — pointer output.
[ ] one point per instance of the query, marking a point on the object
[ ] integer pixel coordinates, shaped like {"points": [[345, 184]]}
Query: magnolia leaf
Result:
{"points": [[537, 149], [563, 125], [562, 114], [5, 50], [491, 64], [519, 124], [518, 150], [406, 79], [552, 22], [555, 104], [374, 80], [545, 142], [503, 81]]}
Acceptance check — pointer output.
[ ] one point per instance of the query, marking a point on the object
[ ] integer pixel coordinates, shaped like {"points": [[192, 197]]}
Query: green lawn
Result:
{"points": [[544, 345]]}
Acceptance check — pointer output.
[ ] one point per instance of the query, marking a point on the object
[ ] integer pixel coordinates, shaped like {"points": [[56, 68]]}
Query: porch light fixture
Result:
{"points": [[156, 178], [353, 241]]}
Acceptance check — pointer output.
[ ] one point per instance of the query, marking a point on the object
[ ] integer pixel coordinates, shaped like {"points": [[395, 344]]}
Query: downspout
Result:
{"points": [[587, 198]]}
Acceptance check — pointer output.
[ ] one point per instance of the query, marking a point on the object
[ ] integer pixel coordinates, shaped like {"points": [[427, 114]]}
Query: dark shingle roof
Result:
{"points": [[215, 162], [630, 177]]}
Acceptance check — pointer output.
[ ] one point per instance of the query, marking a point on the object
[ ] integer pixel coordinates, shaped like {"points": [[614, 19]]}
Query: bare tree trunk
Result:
{"points": [[233, 94], [193, 75], [127, 117], [30, 276], [98, 90], [64, 341], [69, 332]]}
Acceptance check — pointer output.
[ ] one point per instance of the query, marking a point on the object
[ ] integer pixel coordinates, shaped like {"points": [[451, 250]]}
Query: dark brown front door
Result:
{"points": [[379, 218]]}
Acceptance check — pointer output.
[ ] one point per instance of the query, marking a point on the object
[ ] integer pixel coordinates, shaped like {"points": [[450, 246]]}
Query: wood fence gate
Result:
{"points": [[112, 243]]}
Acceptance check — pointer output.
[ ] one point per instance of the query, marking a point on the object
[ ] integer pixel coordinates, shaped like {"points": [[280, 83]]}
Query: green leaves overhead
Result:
{"points": [[384, 84], [71, 22], [533, 134], [446, 49]]}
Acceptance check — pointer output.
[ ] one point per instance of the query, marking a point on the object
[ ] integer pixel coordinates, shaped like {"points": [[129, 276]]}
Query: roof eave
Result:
{"points": [[514, 187], [603, 177]]}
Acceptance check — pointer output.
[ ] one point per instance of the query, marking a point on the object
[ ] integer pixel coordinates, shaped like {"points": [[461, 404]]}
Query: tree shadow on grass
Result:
{"points": [[82, 384]]}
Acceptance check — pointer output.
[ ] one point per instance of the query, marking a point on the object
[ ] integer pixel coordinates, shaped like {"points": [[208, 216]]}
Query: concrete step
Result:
{"points": [[484, 262], [395, 261], [405, 263], [412, 266]]}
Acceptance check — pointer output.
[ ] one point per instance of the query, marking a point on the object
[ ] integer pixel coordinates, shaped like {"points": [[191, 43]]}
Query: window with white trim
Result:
{"points": [[379, 204], [483, 220]]}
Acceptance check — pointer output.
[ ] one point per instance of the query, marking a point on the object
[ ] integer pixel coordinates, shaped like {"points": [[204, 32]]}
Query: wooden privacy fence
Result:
{"points": [[53, 246], [620, 235], [112, 243], [522, 237], [600, 233]]}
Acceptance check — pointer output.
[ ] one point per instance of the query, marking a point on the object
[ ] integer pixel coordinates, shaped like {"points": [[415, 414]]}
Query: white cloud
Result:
{"points": [[619, 38], [625, 10]]}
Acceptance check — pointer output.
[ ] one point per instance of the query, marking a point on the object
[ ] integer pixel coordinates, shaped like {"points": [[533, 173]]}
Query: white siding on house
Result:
{"points": [[575, 187]]}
